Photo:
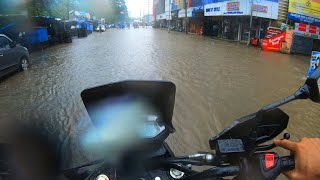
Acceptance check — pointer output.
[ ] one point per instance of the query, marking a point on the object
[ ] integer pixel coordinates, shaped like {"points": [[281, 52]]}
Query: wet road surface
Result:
{"points": [[217, 82]]}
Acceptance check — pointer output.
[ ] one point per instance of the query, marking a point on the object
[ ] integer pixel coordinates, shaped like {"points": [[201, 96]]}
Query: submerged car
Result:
{"points": [[12, 57]]}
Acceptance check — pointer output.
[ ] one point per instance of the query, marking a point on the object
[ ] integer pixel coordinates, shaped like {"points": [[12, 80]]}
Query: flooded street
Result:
{"points": [[217, 82]]}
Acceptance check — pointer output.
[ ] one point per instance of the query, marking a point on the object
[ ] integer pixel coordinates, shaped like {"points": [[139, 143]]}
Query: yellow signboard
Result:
{"points": [[309, 8], [181, 4]]}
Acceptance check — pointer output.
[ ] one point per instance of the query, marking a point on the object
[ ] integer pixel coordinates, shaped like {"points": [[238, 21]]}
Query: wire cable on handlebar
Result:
{"points": [[85, 165], [215, 172]]}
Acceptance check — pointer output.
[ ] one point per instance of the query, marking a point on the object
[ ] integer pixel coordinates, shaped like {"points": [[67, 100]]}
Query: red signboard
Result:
{"points": [[312, 29], [233, 6], [307, 30], [302, 27], [273, 43]]}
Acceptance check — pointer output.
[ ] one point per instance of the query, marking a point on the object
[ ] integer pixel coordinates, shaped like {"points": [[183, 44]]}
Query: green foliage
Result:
{"points": [[108, 9]]}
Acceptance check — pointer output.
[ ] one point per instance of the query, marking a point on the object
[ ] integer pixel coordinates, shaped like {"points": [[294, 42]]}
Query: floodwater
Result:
{"points": [[217, 82]]}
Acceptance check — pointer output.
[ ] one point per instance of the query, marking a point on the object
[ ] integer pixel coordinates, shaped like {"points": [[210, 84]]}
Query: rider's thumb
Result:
{"points": [[286, 144], [290, 174]]}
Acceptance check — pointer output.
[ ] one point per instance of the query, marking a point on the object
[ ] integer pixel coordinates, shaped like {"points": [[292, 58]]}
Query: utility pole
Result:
{"points": [[169, 9], [186, 14], [148, 14], [140, 14], [250, 28], [68, 9]]}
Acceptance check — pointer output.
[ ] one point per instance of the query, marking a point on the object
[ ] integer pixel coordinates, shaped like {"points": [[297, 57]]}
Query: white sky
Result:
{"points": [[135, 6]]}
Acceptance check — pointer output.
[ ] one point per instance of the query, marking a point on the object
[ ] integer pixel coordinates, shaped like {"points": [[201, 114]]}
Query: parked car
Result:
{"points": [[12, 57]]}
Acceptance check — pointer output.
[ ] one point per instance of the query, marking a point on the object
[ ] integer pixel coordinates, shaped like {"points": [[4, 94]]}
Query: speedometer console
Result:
{"points": [[139, 108]]}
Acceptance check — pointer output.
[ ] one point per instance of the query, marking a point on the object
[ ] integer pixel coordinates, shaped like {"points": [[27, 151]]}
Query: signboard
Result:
{"points": [[314, 62], [305, 10], [273, 43], [261, 8], [161, 16], [227, 8], [182, 13], [233, 6], [307, 30]]}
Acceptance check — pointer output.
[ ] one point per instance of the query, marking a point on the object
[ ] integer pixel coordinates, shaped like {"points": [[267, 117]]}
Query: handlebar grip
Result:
{"points": [[287, 163]]}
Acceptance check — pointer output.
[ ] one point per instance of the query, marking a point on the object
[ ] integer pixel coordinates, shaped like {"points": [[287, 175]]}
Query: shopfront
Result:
{"points": [[161, 20], [181, 23], [305, 39], [235, 21], [307, 27], [193, 22]]}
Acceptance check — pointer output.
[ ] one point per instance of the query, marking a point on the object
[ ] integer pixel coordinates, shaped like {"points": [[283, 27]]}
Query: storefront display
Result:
{"points": [[195, 27], [273, 39]]}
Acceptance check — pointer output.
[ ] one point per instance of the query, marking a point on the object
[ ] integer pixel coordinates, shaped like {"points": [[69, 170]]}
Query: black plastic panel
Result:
{"points": [[229, 146], [253, 131], [160, 95]]}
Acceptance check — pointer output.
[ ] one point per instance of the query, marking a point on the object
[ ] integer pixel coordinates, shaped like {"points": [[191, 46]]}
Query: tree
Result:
{"points": [[111, 10]]}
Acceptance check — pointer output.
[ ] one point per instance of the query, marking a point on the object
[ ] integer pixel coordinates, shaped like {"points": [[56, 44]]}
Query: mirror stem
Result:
{"points": [[279, 103], [301, 93]]}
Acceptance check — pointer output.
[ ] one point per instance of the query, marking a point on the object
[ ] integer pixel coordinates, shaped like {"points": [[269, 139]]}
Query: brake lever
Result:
{"points": [[271, 146]]}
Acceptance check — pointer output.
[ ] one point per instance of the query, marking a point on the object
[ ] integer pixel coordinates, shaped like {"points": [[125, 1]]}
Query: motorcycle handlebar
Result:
{"points": [[266, 169], [215, 172], [287, 163]]}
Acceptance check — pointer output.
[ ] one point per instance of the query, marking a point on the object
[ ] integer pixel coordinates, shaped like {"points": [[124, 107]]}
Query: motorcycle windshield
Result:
{"points": [[150, 102]]}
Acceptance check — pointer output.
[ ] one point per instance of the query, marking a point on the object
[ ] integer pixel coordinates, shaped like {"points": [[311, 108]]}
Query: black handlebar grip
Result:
{"points": [[287, 163]]}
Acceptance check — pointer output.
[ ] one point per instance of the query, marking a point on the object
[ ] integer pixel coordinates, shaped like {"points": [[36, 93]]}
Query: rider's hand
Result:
{"points": [[307, 158]]}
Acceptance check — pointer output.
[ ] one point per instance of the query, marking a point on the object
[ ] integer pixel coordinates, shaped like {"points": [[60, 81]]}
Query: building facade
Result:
{"points": [[223, 18], [159, 13], [305, 16], [231, 19]]}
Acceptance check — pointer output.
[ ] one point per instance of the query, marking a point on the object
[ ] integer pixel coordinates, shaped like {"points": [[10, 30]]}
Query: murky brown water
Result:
{"points": [[217, 82]]}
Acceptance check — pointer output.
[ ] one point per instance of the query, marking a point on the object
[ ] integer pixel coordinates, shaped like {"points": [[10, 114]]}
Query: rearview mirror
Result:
{"points": [[312, 83]]}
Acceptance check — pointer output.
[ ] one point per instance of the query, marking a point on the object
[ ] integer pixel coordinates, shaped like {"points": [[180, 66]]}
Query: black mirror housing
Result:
{"points": [[312, 83]]}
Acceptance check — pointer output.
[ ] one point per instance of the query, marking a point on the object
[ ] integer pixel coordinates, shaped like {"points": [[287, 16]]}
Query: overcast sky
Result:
{"points": [[135, 6]]}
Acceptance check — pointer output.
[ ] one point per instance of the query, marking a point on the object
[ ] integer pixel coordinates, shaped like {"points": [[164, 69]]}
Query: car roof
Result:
{"points": [[3, 35]]}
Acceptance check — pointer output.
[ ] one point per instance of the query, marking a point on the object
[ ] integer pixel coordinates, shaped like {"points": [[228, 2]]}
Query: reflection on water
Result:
{"points": [[217, 82]]}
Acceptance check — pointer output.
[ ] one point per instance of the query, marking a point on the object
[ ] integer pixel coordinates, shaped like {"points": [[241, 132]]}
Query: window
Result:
{"points": [[4, 43]]}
